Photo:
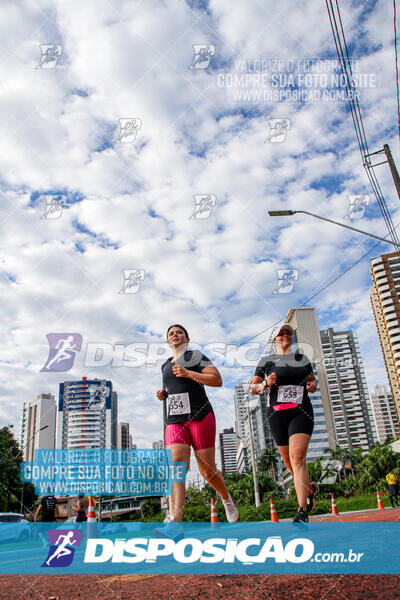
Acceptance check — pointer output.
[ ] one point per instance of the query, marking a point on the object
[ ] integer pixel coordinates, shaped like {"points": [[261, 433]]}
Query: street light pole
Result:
{"points": [[253, 461], [287, 213], [254, 470]]}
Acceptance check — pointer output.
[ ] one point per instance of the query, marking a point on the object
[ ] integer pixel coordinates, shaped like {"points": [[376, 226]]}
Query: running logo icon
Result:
{"points": [[202, 55], [132, 280], [203, 205], [50, 55], [62, 547], [357, 206], [97, 396], [278, 129], [54, 206], [286, 280], [128, 129], [63, 347]]}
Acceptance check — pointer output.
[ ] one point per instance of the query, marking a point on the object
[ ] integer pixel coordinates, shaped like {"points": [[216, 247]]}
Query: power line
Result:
{"points": [[316, 293], [396, 62], [352, 97], [345, 63]]}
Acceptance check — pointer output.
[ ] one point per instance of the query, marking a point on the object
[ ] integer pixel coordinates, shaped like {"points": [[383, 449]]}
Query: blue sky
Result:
{"points": [[128, 205]]}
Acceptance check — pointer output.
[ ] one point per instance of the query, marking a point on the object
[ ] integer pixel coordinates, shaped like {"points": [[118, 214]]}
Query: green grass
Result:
{"points": [[361, 502], [287, 508], [324, 504]]}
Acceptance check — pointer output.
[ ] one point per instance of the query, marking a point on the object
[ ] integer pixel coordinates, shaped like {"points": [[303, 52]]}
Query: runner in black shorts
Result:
{"points": [[289, 377]]}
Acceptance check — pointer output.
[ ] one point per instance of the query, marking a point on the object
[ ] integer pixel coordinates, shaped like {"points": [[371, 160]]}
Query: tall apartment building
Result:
{"points": [[124, 439], [319, 440], [386, 422], [351, 405], [228, 449], [38, 425], [307, 337], [240, 395], [87, 414], [261, 433], [159, 445], [385, 300]]}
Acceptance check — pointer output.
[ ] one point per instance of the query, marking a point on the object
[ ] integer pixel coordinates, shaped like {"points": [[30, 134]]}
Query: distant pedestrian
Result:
{"points": [[393, 488], [81, 509], [49, 509]]}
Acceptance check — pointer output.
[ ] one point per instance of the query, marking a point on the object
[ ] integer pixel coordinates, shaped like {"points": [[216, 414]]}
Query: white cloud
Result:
{"points": [[217, 275]]}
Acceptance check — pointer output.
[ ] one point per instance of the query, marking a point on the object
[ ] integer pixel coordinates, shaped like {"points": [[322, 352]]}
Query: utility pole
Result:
{"points": [[389, 159], [393, 168], [253, 459]]}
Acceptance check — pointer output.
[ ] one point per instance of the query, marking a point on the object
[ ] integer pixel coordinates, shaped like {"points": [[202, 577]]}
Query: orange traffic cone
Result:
{"points": [[274, 515], [380, 505], [91, 520], [214, 517], [334, 508], [91, 516]]}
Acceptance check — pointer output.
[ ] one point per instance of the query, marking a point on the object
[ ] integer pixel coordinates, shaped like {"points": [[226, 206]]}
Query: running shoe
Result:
{"points": [[172, 530], [232, 513], [311, 499], [301, 516]]}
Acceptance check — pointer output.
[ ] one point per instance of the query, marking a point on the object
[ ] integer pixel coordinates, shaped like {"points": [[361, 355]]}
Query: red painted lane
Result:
{"points": [[371, 516]]}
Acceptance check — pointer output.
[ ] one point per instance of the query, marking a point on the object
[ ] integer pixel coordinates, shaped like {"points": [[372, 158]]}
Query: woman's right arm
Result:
{"points": [[258, 385], [162, 394]]}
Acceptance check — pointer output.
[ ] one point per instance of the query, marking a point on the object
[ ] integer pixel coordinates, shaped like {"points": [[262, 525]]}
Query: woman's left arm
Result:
{"points": [[209, 375]]}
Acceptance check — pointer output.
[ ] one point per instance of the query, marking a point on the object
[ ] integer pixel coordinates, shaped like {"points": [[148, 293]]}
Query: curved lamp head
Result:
{"points": [[280, 213]]}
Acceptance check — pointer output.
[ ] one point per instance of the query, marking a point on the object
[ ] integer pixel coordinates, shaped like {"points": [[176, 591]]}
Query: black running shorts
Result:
{"points": [[284, 423]]}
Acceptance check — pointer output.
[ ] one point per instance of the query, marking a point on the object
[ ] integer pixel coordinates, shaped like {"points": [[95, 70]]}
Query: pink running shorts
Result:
{"points": [[200, 434]]}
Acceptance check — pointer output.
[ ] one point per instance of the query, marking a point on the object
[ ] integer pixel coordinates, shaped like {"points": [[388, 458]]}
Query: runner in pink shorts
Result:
{"points": [[190, 422]]}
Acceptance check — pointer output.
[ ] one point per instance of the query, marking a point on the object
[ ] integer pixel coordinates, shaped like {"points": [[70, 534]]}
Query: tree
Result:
{"points": [[337, 454], [198, 506], [10, 460], [354, 457], [375, 466], [150, 508], [266, 486], [315, 469], [268, 460]]}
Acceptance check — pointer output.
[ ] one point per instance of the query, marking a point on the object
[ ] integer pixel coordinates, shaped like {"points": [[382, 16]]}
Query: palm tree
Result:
{"points": [[375, 466], [315, 469], [354, 457], [268, 461], [266, 485], [336, 454]]}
